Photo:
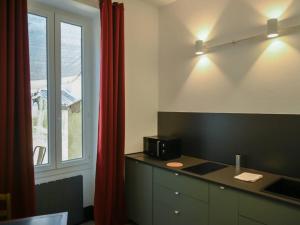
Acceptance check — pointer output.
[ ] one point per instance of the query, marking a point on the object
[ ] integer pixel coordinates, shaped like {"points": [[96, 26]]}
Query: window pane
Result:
{"points": [[71, 91], [37, 26]]}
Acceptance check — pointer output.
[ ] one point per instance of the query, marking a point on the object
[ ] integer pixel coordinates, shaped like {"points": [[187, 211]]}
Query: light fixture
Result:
{"points": [[272, 28], [199, 48]]}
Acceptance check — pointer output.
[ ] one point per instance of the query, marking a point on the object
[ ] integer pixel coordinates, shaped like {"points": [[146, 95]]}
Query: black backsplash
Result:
{"points": [[268, 142]]}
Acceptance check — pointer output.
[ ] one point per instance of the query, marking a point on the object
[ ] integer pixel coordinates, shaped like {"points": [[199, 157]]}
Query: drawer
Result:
{"points": [[170, 197], [268, 211], [246, 221], [181, 183], [165, 195], [190, 213]]}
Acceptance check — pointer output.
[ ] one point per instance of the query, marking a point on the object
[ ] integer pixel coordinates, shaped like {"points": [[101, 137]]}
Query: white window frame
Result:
{"points": [[54, 18], [78, 21]]}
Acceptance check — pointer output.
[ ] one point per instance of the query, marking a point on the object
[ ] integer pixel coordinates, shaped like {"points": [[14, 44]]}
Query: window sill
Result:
{"points": [[46, 174]]}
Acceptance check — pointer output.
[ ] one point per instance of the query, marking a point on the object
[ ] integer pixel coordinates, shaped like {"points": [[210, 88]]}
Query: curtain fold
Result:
{"points": [[109, 203], [16, 162]]}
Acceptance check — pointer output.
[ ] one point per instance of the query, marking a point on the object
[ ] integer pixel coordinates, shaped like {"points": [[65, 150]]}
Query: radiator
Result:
{"points": [[64, 195]]}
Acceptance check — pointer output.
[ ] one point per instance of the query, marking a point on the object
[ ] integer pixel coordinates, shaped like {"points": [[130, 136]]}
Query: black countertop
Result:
{"points": [[223, 176]]}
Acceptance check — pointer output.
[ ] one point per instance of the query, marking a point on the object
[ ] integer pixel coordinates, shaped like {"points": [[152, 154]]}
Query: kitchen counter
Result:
{"points": [[223, 176]]}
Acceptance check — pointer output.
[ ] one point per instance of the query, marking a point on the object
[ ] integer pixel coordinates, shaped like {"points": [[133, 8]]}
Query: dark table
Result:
{"points": [[51, 219]]}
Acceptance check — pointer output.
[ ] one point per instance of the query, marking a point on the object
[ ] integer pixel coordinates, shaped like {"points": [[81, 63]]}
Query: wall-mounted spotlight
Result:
{"points": [[272, 28], [199, 47]]}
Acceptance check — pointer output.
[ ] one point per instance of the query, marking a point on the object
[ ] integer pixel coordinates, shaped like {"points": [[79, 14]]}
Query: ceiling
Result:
{"points": [[93, 3], [83, 7], [160, 2], [89, 6]]}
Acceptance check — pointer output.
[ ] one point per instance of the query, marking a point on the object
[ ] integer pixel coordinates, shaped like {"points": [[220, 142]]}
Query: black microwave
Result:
{"points": [[162, 148]]}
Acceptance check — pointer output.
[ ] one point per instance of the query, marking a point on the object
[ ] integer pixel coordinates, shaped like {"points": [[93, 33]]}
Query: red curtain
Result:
{"points": [[109, 190], [16, 163]]}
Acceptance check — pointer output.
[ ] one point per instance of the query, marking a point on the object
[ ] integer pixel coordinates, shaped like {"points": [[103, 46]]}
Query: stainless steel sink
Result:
{"points": [[285, 187]]}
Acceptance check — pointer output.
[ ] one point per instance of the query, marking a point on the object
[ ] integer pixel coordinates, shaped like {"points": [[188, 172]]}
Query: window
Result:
{"points": [[71, 93], [39, 86], [56, 44]]}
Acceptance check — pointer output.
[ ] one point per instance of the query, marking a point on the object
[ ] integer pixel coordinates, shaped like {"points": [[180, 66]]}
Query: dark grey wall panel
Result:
{"points": [[64, 195], [267, 142]]}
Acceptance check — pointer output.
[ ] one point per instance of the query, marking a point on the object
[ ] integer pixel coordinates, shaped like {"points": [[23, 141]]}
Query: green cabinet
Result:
{"points": [[267, 211], [138, 183], [190, 186], [164, 215], [223, 205], [156, 196], [172, 207], [179, 199], [183, 214]]}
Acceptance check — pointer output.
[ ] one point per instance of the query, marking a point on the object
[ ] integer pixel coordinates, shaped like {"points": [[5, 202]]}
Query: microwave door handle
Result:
{"points": [[157, 148]]}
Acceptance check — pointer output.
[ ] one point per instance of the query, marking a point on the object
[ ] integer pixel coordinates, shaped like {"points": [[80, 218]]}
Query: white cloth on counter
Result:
{"points": [[249, 177]]}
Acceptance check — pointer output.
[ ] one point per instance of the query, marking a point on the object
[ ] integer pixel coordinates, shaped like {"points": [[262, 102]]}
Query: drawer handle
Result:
{"points": [[176, 174], [222, 187], [176, 212], [177, 193]]}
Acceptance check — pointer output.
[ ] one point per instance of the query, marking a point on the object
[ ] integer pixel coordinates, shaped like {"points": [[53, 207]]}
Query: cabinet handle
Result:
{"points": [[222, 187], [177, 193], [176, 212], [176, 174], [136, 162]]}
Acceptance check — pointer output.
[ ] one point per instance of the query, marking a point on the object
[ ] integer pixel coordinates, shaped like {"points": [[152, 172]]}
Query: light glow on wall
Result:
{"points": [[275, 12], [276, 46], [272, 8], [204, 62], [203, 34], [276, 51]]}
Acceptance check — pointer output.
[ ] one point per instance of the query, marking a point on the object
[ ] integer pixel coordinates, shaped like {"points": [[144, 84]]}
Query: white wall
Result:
{"points": [[257, 76], [141, 62]]}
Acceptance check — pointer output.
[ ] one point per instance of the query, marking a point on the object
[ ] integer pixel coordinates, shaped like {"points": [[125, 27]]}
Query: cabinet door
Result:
{"points": [[223, 206], [246, 221], [268, 211], [138, 182]]}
